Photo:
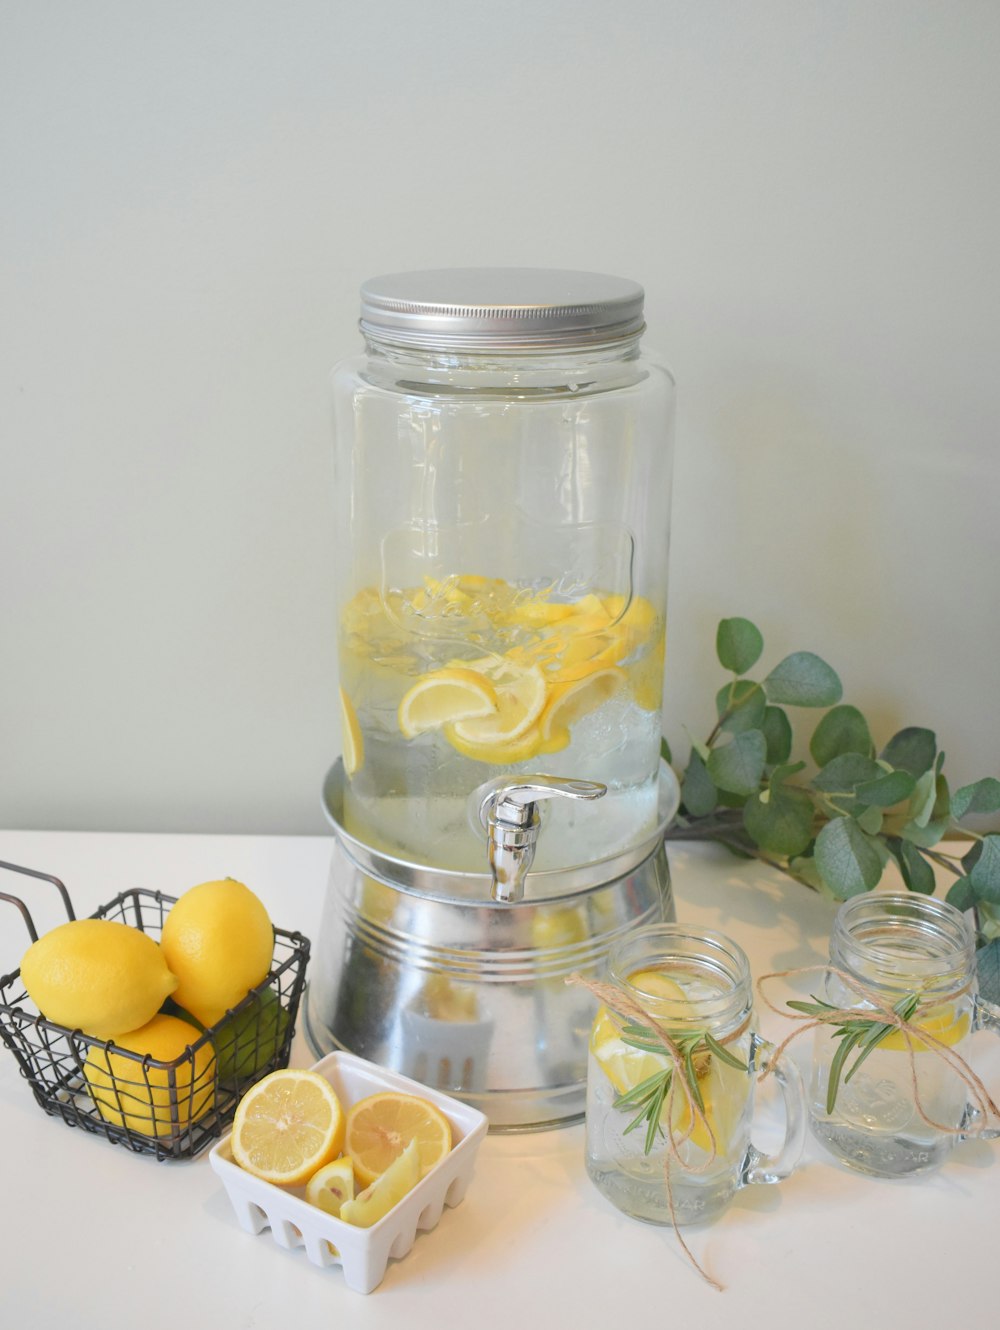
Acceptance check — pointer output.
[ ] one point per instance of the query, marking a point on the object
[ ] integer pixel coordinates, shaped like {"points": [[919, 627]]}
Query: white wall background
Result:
{"points": [[192, 192]]}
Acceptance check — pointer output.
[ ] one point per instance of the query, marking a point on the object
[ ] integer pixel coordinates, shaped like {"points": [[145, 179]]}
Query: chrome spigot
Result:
{"points": [[512, 822]]}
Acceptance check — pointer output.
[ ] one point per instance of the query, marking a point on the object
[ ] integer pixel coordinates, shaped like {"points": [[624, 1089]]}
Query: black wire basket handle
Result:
{"points": [[29, 923]]}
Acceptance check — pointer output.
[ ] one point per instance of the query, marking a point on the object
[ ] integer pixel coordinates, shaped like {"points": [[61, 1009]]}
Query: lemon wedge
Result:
{"points": [[388, 1189], [354, 743], [331, 1186], [448, 695]]}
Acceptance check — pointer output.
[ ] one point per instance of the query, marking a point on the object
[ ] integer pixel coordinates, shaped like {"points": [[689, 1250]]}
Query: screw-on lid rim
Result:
{"points": [[504, 309]]}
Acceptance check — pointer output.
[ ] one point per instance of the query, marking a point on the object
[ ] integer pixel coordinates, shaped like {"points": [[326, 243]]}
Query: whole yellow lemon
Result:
{"points": [[98, 976], [218, 941], [156, 1101]]}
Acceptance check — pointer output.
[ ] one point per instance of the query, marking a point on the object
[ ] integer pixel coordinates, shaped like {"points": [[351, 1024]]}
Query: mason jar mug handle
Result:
{"points": [[763, 1168], [985, 1016]]}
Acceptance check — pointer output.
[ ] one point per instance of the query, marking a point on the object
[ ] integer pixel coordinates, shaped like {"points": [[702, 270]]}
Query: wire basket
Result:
{"points": [[170, 1109]]}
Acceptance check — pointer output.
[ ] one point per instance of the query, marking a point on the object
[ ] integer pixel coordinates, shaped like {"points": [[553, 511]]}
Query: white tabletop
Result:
{"points": [[95, 1236]]}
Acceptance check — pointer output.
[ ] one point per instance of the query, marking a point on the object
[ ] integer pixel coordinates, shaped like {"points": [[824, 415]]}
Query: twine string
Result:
{"points": [[882, 1013]]}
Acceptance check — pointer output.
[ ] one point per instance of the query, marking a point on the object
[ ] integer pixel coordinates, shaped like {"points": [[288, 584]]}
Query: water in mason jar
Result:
{"points": [[876, 1126], [712, 1155], [565, 687]]}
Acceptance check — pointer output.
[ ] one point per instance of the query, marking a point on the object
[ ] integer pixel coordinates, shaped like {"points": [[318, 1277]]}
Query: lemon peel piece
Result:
{"points": [[354, 743], [570, 702]]}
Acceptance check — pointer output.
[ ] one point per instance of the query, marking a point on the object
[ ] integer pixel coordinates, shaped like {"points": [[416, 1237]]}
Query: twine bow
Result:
{"points": [[881, 1013]]}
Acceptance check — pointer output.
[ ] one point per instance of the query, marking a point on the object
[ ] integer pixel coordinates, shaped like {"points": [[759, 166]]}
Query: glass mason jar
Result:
{"points": [[691, 983], [503, 461], [897, 946]]}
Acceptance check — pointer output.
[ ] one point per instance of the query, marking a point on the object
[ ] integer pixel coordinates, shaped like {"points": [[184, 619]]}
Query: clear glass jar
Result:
{"points": [[895, 946], [690, 982], [503, 461]]}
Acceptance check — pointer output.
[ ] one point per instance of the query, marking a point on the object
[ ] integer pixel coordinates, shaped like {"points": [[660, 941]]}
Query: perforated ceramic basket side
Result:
{"points": [[364, 1253], [187, 1105]]}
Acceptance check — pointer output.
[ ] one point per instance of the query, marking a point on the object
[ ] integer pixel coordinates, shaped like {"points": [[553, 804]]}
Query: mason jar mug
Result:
{"points": [[660, 1150], [882, 1100]]}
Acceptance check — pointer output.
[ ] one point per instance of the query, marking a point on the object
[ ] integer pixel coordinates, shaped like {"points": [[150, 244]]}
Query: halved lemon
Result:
{"points": [[520, 699], [387, 1190], [380, 1128], [354, 743], [287, 1126], [569, 702], [443, 696]]}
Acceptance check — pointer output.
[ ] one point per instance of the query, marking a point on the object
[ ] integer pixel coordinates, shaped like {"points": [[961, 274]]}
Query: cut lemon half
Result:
{"points": [[387, 1190], [448, 695], [571, 701], [354, 744], [380, 1128], [288, 1126], [520, 699]]}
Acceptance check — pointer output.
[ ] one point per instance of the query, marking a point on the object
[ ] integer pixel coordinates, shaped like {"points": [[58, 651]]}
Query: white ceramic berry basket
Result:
{"points": [[363, 1252]]}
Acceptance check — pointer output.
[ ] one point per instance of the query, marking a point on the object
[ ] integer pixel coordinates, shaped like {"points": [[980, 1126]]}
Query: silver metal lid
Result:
{"points": [[503, 309]]}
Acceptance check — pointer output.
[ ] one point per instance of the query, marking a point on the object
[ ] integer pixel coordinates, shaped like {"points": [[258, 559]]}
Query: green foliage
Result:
{"points": [[835, 829]]}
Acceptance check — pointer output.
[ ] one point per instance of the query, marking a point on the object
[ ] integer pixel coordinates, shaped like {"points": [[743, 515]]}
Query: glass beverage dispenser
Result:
{"points": [[503, 458]]}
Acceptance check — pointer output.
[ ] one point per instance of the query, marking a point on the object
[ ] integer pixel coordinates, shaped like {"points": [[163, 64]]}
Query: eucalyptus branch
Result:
{"points": [[839, 825]]}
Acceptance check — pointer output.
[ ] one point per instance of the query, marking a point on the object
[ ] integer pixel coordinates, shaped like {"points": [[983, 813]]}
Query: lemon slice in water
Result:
{"points": [[520, 699], [448, 695]]}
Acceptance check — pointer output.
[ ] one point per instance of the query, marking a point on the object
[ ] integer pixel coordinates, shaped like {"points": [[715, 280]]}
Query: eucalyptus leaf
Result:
{"points": [[740, 706], [843, 774], [805, 869], [698, 793], [777, 730], [784, 772], [926, 837], [737, 766], [842, 730], [884, 791], [961, 894], [847, 859], [738, 644], [783, 824], [803, 680], [982, 796], [917, 873], [869, 819], [665, 752], [912, 750], [922, 802], [988, 972], [985, 874]]}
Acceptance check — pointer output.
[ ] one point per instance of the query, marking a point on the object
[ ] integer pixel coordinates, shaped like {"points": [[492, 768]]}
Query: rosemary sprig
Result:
{"points": [[695, 1048], [859, 1033]]}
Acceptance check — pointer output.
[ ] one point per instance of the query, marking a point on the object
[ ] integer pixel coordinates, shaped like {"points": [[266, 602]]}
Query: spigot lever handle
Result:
{"points": [[509, 813]]}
